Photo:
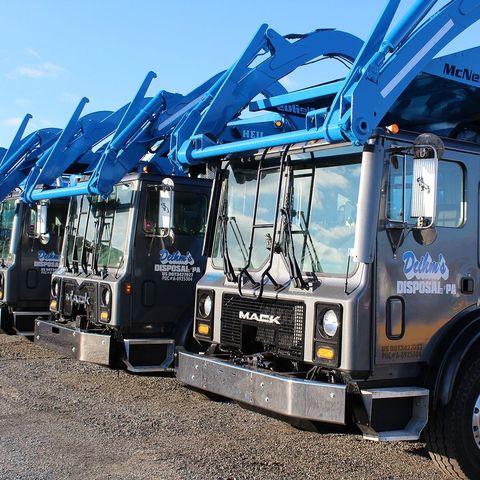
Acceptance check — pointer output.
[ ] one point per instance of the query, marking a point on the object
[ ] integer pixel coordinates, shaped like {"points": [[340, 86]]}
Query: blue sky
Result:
{"points": [[56, 51]]}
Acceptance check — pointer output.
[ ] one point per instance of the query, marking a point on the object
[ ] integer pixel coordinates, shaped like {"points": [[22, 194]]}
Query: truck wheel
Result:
{"points": [[453, 432]]}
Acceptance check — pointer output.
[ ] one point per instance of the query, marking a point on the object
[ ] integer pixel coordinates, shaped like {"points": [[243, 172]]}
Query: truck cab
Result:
{"points": [[28, 258], [327, 298], [126, 281]]}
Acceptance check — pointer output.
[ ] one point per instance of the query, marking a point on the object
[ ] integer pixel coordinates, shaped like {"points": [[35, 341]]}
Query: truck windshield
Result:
{"points": [[7, 215], [98, 231], [319, 201]]}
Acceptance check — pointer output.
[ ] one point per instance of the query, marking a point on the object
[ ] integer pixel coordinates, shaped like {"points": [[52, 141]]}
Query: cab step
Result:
{"points": [[149, 355], [395, 413]]}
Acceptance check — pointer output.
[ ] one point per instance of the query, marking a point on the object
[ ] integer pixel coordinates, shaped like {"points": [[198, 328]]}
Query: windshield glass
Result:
{"points": [[320, 205], [323, 213], [237, 206], [113, 226], [7, 214], [97, 231]]}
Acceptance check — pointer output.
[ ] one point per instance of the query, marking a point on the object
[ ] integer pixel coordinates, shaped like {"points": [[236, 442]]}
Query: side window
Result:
{"points": [[189, 213], [450, 192], [56, 215], [450, 195]]}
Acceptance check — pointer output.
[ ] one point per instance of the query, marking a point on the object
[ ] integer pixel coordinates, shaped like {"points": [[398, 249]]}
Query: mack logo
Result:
{"points": [[464, 73], [262, 317], [80, 299]]}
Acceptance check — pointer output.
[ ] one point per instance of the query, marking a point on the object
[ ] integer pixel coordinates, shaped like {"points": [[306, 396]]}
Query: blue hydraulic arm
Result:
{"points": [[17, 139], [203, 125], [150, 127], [74, 146], [385, 66], [145, 124], [22, 154], [389, 62]]}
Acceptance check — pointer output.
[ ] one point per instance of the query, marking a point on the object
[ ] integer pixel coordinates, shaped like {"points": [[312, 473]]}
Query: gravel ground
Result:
{"points": [[62, 419]]}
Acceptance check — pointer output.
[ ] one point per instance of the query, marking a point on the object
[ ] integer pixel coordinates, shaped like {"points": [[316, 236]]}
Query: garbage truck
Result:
{"points": [[31, 235], [26, 259], [123, 293], [342, 280]]}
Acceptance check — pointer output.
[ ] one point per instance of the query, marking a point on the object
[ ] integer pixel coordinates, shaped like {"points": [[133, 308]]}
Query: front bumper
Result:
{"points": [[139, 355], [83, 346], [283, 395]]}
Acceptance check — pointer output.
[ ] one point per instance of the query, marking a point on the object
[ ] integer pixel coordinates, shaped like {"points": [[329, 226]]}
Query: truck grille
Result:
{"points": [[79, 299], [264, 325]]}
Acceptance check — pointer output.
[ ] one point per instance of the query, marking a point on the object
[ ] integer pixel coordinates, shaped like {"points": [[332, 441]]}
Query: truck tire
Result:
{"points": [[453, 432]]}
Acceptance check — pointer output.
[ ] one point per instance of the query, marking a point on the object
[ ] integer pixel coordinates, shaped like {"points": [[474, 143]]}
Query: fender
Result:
{"points": [[461, 335]]}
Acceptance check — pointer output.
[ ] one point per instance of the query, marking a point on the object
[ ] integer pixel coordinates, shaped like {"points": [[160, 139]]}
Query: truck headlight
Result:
{"points": [[55, 287], [105, 303], [330, 323], [205, 312], [205, 305], [106, 297], [327, 336]]}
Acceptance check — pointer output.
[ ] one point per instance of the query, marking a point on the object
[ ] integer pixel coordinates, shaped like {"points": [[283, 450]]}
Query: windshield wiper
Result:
{"points": [[96, 240], [238, 237], [120, 265], [288, 247], [228, 269], [316, 266], [289, 251]]}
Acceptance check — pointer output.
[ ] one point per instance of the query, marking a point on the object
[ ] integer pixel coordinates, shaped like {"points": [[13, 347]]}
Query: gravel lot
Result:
{"points": [[62, 419]]}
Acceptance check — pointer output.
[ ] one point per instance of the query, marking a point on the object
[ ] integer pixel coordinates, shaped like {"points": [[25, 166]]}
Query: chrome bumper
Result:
{"points": [[140, 355], [84, 346], [291, 397]]}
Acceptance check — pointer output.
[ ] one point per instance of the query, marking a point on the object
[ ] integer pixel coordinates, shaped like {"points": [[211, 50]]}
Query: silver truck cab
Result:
{"points": [[330, 294]]}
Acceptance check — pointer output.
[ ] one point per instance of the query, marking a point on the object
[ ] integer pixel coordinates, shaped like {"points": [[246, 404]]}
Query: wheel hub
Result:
{"points": [[476, 422]]}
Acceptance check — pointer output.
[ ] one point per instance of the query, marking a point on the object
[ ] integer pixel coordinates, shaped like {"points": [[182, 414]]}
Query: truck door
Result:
{"points": [[169, 268], [423, 278], [38, 257]]}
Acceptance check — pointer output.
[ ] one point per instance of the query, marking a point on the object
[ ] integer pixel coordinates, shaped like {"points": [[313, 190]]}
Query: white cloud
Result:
{"points": [[40, 70], [12, 122]]}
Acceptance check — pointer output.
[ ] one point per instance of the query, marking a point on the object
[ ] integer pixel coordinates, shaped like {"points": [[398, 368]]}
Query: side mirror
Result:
{"points": [[165, 208], [158, 221], [428, 150], [40, 225]]}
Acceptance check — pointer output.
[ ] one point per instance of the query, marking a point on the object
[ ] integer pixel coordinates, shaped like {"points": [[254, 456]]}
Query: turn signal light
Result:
{"points": [[326, 352], [393, 128], [278, 124], [53, 305], [1, 294], [146, 169], [104, 316], [203, 329], [127, 288]]}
